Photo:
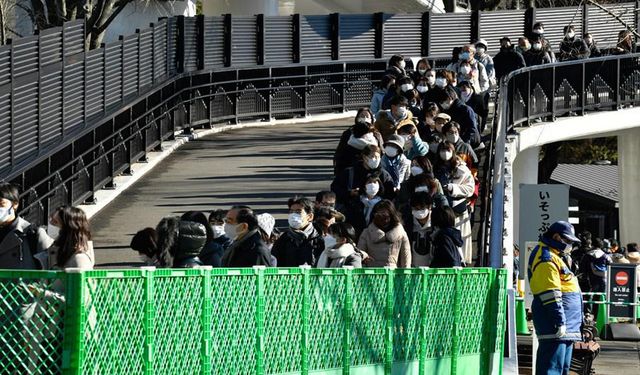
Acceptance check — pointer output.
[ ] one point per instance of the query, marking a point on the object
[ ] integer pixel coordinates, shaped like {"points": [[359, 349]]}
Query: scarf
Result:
{"points": [[335, 258], [304, 234], [368, 206], [361, 143], [391, 166]]}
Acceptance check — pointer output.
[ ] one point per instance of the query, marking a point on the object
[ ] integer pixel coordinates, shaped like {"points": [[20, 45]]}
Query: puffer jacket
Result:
{"points": [[390, 248], [557, 299], [180, 242], [293, 249]]}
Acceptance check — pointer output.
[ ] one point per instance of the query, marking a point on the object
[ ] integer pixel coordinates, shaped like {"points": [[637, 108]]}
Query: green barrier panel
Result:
{"points": [[253, 321]]}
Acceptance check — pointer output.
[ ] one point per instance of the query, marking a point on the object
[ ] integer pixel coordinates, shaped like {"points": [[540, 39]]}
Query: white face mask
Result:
{"points": [[406, 87], [5, 214], [218, 231], [329, 241], [453, 138], [403, 64], [391, 151], [480, 50], [422, 189], [295, 220], [372, 189], [373, 163], [401, 112], [571, 34], [422, 71], [465, 70], [441, 82], [431, 80], [364, 119], [445, 105], [536, 46], [420, 214], [415, 170], [422, 89], [538, 31], [231, 230], [53, 231], [446, 155]]}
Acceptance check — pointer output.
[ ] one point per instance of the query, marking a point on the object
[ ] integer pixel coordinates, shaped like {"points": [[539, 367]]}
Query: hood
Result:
{"points": [[454, 234], [361, 143], [596, 253]]}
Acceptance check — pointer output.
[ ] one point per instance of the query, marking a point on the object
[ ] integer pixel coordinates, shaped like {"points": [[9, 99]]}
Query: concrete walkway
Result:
{"points": [[260, 167]]}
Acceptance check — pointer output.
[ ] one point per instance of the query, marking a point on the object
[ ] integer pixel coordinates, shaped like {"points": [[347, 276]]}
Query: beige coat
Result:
{"points": [[385, 249], [85, 260]]}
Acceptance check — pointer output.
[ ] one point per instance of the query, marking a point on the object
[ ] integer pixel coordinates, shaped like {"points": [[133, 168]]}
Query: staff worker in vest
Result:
{"points": [[557, 300]]}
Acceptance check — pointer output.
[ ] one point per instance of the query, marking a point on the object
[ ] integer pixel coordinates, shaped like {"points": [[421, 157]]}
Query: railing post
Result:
{"points": [[585, 18], [583, 87], [618, 101], [388, 347], [379, 40], [423, 319], [475, 26], [296, 39], [426, 35], [347, 316], [227, 40], [200, 42], [205, 274], [335, 35], [259, 349], [149, 319], [180, 44], [455, 346], [74, 322], [260, 35], [304, 342]]}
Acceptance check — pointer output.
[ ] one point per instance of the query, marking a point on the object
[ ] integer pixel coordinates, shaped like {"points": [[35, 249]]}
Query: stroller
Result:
{"points": [[586, 351]]}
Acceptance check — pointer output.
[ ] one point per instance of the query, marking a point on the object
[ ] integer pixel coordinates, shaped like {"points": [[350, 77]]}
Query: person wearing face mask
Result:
{"points": [[572, 47], [415, 105], [72, 247], [379, 94], [422, 87], [341, 249], [354, 139], [440, 120], [481, 55], [349, 184], [413, 144], [403, 85], [594, 51], [459, 187], [389, 121], [523, 45], [385, 241], [479, 103], [462, 114], [20, 241], [422, 67], [419, 229], [593, 266], [395, 162], [211, 254], [396, 67], [427, 123], [446, 240], [248, 249], [508, 59], [625, 44], [470, 69], [462, 149], [441, 81], [301, 244], [538, 32], [557, 299], [537, 55]]}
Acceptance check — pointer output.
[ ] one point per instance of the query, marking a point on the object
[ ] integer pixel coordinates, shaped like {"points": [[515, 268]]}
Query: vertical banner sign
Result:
{"points": [[622, 288], [540, 206]]}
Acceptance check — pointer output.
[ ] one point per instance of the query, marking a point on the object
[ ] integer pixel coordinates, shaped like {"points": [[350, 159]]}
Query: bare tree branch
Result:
{"points": [[614, 16]]}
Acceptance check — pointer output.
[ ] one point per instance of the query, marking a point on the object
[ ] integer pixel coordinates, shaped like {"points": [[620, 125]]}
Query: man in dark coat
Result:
{"points": [[462, 114], [507, 60], [247, 249], [301, 244]]}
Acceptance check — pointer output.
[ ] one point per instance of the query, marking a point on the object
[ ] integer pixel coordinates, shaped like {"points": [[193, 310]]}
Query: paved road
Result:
{"points": [[261, 167]]}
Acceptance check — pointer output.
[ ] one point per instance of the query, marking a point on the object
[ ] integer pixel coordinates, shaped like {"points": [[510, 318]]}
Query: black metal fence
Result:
{"points": [[71, 120]]}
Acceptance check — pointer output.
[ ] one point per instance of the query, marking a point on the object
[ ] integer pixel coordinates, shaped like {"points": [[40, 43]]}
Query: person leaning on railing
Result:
{"points": [[20, 241]]}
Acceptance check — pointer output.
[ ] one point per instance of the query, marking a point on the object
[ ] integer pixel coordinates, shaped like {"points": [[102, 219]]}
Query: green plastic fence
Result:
{"points": [[253, 321]]}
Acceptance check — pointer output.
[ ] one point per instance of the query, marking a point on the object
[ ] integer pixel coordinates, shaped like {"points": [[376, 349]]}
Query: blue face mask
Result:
{"points": [[464, 56]]}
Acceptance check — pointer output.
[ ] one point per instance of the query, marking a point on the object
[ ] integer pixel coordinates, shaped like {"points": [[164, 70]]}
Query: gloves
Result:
{"points": [[561, 332]]}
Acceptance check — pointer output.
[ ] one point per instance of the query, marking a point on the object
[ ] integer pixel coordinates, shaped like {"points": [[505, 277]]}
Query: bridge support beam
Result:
{"points": [[525, 171], [629, 185]]}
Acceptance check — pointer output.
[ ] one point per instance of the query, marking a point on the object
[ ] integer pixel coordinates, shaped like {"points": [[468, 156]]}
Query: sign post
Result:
{"points": [[622, 291]]}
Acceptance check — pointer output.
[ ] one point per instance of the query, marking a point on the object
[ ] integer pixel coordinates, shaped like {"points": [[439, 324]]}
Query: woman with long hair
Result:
{"points": [[72, 248], [385, 241]]}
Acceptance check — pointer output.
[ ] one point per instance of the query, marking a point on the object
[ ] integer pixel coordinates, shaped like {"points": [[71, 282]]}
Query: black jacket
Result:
{"points": [[356, 178], [445, 248], [248, 252], [396, 72], [211, 254], [534, 58], [293, 250], [506, 61], [466, 117]]}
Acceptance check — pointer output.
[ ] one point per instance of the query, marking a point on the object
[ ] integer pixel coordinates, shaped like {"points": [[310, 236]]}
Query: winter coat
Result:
{"points": [[387, 124], [416, 148], [191, 239], [396, 72], [573, 49], [21, 244], [466, 117], [459, 189], [247, 251], [478, 76], [534, 58], [390, 248], [355, 178], [594, 265], [557, 299], [420, 237], [401, 169], [506, 61], [376, 100], [357, 213], [294, 248], [349, 148], [446, 248], [344, 255], [84, 260], [211, 254], [487, 61]]}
